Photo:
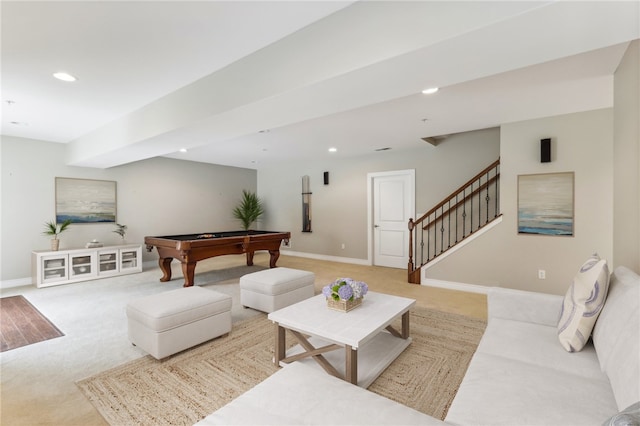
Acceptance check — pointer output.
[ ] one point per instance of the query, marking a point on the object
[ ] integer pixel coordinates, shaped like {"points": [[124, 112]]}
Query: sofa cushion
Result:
{"points": [[501, 391], [616, 336], [300, 394], [538, 344], [582, 303]]}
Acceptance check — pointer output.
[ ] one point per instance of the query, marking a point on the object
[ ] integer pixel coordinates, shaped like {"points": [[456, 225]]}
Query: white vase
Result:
{"points": [[55, 244]]}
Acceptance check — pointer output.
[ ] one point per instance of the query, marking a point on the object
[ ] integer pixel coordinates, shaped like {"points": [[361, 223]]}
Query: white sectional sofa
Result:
{"points": [[520, 374]]}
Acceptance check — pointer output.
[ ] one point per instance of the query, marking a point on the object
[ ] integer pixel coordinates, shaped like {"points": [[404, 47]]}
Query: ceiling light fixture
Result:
{"points": [[333, 149], [183, 149], [430, 90], [64, 76]]}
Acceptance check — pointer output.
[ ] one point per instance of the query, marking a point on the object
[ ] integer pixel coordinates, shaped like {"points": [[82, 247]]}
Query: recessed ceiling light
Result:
{"points": [[183, 149], [430, 90], [64, 76], [333, 149]]}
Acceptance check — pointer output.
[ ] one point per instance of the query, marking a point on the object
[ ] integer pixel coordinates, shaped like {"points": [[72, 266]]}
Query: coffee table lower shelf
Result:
{"points": [[373, 357]]}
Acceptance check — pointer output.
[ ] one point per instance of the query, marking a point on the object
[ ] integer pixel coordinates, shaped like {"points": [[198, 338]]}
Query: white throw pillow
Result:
{"points": [[582, 303]]}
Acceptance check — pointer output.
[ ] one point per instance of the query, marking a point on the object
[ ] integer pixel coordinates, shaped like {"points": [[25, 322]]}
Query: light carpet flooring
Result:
{"points": [[38, 381]]}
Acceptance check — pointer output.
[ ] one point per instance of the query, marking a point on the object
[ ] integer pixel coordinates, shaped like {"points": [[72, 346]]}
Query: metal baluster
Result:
{"points": [[479, 202], [497, 178], [487, 198], [464, 213], [449, 216], [456, 218], [435, 234], [428, 238], [441, 229]]}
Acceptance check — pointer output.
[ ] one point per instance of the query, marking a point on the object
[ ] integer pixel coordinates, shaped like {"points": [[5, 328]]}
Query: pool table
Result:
{"points": [[191, 248]]}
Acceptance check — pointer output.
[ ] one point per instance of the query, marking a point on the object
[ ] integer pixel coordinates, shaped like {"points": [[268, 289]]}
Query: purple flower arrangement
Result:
{"points": [[345, 289]]}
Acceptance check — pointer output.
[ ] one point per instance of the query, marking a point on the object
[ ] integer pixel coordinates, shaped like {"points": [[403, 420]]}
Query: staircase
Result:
{"points": [[468, 209]]}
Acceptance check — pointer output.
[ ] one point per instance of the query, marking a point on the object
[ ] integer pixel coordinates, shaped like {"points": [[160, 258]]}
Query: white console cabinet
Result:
{"points": [[68, 266]]}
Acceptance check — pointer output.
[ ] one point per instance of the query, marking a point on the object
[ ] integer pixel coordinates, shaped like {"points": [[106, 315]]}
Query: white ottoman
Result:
{"points": [[275, 288], [166, 323]]}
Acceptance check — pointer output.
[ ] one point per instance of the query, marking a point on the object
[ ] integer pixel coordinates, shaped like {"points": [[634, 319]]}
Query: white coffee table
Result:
{"points": [[366, 341]]}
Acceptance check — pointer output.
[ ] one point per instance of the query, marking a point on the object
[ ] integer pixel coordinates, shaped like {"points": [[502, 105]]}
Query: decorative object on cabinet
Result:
{"points": [[49, 268], [249, 209], [85, 200], [94, 244], [306, 204], [54, 229], [121, 230]]}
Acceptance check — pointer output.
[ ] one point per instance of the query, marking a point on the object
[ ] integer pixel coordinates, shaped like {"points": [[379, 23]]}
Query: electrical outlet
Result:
{"points": [[542, 274], [286, 243]]}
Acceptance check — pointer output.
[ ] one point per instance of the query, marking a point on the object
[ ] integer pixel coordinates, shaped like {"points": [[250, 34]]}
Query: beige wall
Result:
{"points": [[159, 196], [626, 152], [581, 143], [339, 210]]}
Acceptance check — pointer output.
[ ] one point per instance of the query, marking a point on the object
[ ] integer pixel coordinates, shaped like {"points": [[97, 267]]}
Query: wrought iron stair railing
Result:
{"points": [[471, 207]]}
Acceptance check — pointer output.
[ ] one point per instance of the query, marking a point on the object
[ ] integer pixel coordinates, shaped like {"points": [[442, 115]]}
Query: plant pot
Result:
{"points": [[343, 305], [55, 244]]}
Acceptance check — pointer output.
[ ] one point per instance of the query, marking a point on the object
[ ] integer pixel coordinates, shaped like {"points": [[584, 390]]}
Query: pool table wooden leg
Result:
{"points": [[250, 258], [188, 270], [165, 267], [275, 254]]}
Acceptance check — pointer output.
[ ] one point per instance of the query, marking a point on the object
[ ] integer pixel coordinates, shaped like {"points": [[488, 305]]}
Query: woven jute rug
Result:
{"points": [[186, 387]]}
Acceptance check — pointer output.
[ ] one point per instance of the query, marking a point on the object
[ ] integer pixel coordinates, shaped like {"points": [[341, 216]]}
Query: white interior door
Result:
{"points": [[392, 207]]}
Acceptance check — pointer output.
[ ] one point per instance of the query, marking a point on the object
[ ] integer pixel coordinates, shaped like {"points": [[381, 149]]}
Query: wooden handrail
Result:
{"points": [[453, 194]]}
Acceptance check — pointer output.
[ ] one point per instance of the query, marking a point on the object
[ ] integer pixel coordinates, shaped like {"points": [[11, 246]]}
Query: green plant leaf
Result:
{"points": [[249, 209]]}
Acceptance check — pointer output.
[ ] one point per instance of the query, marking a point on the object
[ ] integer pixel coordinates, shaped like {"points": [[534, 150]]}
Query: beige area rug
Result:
{"points": [[186, 387]]}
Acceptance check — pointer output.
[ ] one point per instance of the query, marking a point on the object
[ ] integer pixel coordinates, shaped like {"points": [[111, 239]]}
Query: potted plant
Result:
{"points": [[249, 209], [54, 229], [121, 230]]}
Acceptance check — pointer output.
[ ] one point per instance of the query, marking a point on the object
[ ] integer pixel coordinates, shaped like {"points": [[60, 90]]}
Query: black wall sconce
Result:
{"points": [[326, 178], [545, 150]]}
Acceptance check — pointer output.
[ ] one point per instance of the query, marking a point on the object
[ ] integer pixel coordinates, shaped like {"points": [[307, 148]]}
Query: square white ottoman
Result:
{"points": [[166, 323], [275, 288]]}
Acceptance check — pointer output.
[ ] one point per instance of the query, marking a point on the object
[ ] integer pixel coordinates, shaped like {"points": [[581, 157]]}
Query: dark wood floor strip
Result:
{"points": [[22, 324]]}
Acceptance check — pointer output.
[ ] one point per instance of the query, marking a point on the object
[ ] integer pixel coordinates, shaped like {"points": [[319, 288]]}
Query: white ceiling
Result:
{"points": [[248, 84]]}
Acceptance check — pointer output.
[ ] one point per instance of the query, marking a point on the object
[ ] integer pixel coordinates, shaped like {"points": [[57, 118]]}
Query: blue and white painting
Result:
{"points": [[85, 200], [545, 204]]}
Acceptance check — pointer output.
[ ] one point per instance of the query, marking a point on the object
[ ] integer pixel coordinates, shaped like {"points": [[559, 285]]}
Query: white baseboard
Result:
{"points": [[325, 257], [451, 285], [19, 282]]}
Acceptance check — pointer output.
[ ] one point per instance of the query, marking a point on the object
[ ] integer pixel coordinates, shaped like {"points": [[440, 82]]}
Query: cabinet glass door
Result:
{"points": [[128, 259], [82, 265], [108, 261], [54, 268]]}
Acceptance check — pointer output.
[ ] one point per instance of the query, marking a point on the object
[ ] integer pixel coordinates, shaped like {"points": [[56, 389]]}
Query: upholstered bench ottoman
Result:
{"points": [[275, 288], [166, 323]]}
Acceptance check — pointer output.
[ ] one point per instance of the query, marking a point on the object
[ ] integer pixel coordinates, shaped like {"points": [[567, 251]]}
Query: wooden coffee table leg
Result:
{"points": [[405, 325], [280, 351], [351, 367]]}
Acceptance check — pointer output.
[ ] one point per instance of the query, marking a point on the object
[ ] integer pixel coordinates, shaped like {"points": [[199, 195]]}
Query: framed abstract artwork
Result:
{"points": [[546, 204], [85, 200]]}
